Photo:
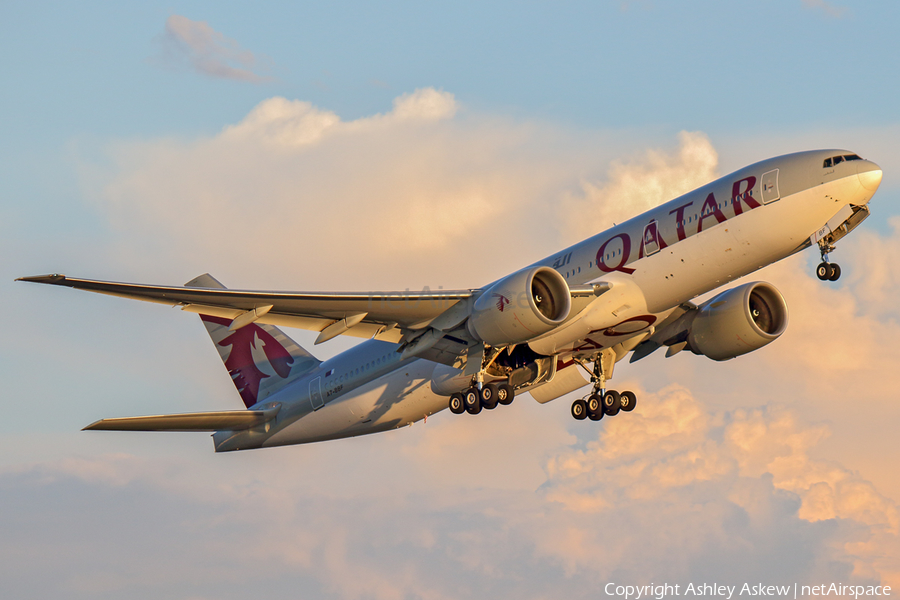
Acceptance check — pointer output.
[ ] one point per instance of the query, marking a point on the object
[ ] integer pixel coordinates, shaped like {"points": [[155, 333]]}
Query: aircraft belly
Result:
{"points": [[388, 402]]}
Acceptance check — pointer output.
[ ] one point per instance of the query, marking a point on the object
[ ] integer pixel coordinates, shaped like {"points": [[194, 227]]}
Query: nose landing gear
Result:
{"points": [[827, 271]]}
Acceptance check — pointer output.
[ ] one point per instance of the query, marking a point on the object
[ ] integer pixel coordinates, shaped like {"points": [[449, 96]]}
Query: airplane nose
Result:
{"points": [[870, 176]]}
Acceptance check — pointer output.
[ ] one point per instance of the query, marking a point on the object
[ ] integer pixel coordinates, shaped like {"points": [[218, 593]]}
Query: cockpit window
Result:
{"points": [[830, 162]]}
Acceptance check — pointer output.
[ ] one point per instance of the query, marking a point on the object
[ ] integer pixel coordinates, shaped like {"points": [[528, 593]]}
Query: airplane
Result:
{"points": [[551, 328]]}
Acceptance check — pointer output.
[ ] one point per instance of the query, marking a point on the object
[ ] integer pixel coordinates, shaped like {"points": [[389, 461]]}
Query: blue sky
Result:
{"points": [[405, 135], [89, 70], [88, 73]]}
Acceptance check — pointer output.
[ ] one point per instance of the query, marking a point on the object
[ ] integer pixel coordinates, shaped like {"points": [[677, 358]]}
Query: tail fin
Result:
{"points": [[261, 359]]}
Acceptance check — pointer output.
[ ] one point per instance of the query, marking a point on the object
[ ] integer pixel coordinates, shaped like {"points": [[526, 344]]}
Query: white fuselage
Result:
{"points": [[656, 261]]}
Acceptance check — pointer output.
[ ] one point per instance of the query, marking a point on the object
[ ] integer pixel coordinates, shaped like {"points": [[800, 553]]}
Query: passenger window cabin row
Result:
{"points": [[355, 372]]}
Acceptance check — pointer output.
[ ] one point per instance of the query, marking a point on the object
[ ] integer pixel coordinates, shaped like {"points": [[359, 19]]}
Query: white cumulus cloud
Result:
{"points": [[638, 184], [417, 187]]}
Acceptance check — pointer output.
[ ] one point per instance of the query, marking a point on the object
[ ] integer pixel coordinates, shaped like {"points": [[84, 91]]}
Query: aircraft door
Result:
{"points": [[315, 393], [770, 186], [651, 239]]}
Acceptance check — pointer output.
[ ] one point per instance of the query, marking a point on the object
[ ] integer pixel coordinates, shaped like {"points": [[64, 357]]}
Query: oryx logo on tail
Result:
{"points": [[241, 363]]}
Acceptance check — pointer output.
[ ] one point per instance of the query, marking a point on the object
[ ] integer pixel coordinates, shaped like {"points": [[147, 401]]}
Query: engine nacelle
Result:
{"points": [[738, 321], [520, 307]]}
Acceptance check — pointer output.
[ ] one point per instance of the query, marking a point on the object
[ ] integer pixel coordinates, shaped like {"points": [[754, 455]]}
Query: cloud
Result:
{"points": [[834, 364], [849, 327], [637, 185], [876, 278], [827, 7], [205, 50], [675, 452], [680, 491], [410, 188], [749, 469], [294, 123]]}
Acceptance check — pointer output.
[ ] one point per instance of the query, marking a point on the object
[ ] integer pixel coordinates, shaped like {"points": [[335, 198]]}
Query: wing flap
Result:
{"points": [[202, 421], [213, 311]]}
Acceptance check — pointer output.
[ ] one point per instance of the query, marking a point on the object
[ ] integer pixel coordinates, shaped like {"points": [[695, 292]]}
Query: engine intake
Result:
{"points": [[520, 307], [738, 321]]}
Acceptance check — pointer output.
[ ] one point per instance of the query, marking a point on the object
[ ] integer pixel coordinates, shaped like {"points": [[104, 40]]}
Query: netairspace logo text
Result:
{"points": [[665, 590]]}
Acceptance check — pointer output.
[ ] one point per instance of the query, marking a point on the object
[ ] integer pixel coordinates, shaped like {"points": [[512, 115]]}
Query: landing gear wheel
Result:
{"points": [[611, 403], [835, 272], [627, 401], [472, 400], [595, 407], [505, 394], [824, 271], [457, 407], [579, 409], [489, 396]]}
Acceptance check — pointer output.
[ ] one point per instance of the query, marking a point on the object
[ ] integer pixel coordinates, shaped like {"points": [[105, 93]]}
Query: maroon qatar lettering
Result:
{"points": [[710, 209], [741, 192], [626, 252], [679, 220]]}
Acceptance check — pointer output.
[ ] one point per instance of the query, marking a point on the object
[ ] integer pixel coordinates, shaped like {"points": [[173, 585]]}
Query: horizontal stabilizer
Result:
{"points": [[202, 421]]}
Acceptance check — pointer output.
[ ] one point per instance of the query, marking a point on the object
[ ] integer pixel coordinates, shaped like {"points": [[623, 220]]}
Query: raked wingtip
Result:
{"points": [[52, 278]]}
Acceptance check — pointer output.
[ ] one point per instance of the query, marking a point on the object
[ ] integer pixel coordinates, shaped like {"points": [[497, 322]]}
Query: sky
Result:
{"points": [[363, 146]]}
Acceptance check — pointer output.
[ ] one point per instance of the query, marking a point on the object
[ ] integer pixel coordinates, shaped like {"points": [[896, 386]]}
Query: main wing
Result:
{"points": [[385, 315]]}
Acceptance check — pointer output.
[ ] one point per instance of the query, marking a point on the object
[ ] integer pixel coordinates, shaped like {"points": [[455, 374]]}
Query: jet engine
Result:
{"points": [[738, 321], [520, 307]]}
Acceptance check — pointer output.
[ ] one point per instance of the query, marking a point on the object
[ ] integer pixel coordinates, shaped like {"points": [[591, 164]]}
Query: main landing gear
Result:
{"points": [[489, 396], [602, 401], [827, 271], [482, 395], [609, 402]]}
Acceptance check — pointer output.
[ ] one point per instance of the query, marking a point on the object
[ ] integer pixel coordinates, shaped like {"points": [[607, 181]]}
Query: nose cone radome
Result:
{"points": [[870, 176]]}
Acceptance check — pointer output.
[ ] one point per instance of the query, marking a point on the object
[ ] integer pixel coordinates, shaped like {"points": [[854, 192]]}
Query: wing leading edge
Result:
{"points": [[361, 314]]}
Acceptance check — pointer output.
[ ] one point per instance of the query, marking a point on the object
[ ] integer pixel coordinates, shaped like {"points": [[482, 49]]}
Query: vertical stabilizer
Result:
{"points": [[261, 359]]}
